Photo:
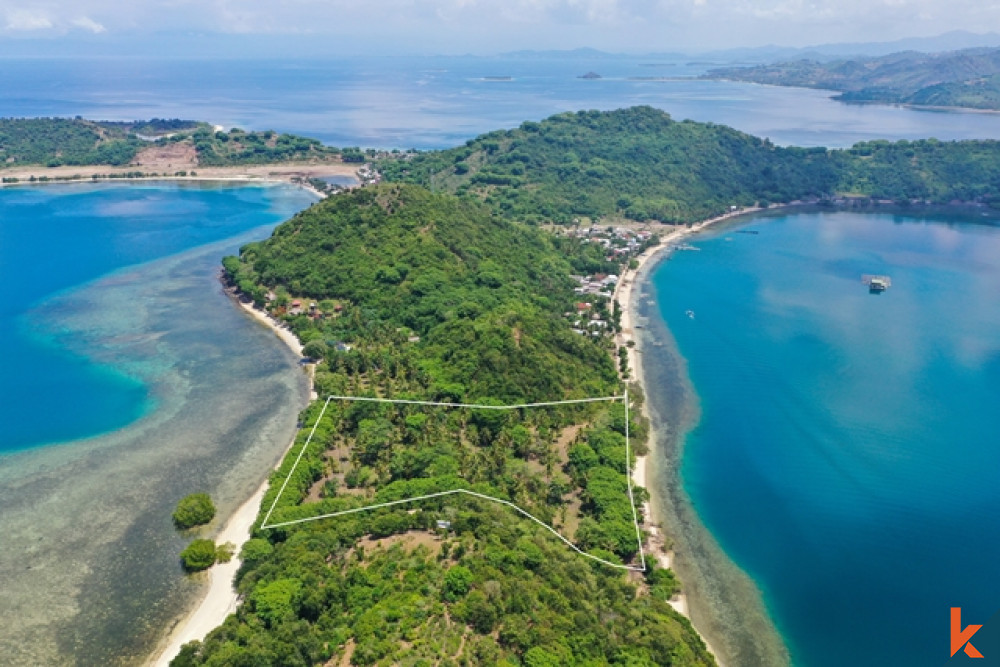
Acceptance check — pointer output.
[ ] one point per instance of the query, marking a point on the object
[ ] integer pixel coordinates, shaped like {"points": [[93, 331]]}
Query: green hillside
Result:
{"points": [[430, 297], [236, 147], [969, 78], [637, 163], [57, 141], [406, 293], [640, 164], [54, 142]]}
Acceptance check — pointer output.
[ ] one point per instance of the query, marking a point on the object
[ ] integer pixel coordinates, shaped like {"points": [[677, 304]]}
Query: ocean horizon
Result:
{"points": [[131, 323], [430, 102]]}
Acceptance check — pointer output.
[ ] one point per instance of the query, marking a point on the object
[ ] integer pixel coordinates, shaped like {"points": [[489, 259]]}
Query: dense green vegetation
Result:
{"points": [[931, 171], [199, 555], [221, 149], [427, 296], [53, 142], [968, 78], [638, 163], [403, 292], [193, 510], [57, 141]]}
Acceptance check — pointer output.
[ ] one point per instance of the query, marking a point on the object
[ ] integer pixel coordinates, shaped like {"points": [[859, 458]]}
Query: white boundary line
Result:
{"points": [[482, 496]]}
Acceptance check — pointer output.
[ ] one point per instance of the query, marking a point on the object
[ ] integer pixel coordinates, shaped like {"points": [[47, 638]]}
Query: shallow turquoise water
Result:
{"points": [[53, 239], [130, 380], [846, 453]]}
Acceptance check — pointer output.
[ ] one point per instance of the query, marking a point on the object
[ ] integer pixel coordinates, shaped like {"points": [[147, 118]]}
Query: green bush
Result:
{"points": [[224, 552], [195, 509], [315, 349], [199, 555]]}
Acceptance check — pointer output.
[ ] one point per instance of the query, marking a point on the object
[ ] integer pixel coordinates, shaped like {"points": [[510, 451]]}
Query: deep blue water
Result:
{"points": [[440, 102], [846, 456], [57, 238]]}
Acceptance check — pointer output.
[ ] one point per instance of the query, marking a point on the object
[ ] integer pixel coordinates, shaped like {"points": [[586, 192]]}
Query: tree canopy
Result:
{"points": [[428, 296], [639, 163], [193, 510]]}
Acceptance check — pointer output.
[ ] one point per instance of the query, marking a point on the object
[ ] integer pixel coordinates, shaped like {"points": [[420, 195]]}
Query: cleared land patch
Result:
{"points": [[464, 491]]}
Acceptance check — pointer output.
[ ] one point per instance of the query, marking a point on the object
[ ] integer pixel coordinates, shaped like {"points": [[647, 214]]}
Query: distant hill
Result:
{"points": [[75, 141], [54, 142], [967, 78], [639, 163], [949, 41]]}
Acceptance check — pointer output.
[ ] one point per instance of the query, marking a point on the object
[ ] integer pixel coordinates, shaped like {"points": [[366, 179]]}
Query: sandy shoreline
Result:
{"points": [[294, 173], [625, 294], [220, 598]]}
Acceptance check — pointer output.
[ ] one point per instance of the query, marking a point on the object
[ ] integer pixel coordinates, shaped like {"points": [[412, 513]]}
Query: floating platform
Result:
{"points": [[876, 283]]}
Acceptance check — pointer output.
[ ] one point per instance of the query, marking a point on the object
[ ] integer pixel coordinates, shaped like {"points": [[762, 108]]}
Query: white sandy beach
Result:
{"points": [[220, 598], [625, 295]]}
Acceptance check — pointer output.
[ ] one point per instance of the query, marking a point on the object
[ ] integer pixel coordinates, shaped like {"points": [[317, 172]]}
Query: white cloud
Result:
{"points": [[26, 20], [87, 23], [498, 25]]}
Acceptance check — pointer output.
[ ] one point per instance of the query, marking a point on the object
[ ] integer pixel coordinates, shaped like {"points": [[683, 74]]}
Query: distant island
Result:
{"points": [[68, 149], [590, 75], [969, 78]]}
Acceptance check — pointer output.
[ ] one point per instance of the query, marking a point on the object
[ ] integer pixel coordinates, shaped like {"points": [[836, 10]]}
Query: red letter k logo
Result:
{"points": [[960, 637]]}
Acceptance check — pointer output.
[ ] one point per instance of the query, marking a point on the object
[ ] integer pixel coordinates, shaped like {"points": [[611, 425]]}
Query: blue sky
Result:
{"points": [[478, 26]]}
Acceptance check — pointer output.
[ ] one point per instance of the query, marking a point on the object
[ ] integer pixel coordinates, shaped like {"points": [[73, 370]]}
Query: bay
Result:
{"points": [[143, 383], [841, 448]]}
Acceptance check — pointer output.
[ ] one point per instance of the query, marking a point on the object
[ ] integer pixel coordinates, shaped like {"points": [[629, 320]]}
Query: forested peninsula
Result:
{"points": [[969, 78], [641, 164], [432, 288], [417, 295]]}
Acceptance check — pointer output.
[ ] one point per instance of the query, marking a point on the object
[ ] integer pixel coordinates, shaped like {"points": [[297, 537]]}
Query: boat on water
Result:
{"points": [[689, 313]]}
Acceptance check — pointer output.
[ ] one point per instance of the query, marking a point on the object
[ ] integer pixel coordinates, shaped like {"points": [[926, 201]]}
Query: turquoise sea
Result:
{"points": [[838, 454], [54, 239], [842, 445], [127, 379]]}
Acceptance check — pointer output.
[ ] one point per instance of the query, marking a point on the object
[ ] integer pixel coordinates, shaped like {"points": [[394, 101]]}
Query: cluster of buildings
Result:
{"points": [[599, 283], [369, 175], [587, 320], [620, 242]]}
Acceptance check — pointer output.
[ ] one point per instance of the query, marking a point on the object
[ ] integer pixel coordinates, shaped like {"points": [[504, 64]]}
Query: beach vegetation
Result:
{"points": [[239, 147], [195, 509], [66, 141], [199, 555], [224, 552], [315, 349]]}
